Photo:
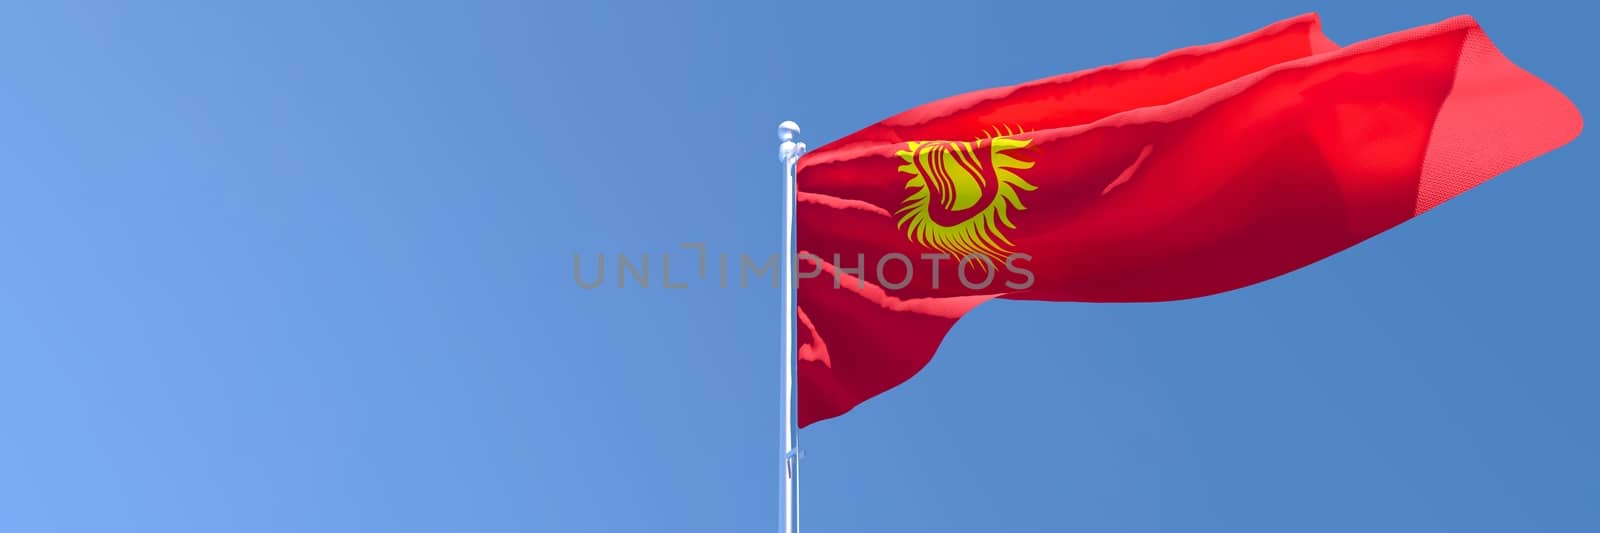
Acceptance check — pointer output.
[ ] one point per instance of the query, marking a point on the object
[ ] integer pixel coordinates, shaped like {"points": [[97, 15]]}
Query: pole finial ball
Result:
{"points": [[788, 130]]}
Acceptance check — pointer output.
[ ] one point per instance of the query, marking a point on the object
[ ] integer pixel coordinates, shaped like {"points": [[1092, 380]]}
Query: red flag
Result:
{"points": [[1200, 171]]}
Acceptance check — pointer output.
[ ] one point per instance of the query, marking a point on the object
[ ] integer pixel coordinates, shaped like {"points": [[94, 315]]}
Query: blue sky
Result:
{"points": [[304, 266]]}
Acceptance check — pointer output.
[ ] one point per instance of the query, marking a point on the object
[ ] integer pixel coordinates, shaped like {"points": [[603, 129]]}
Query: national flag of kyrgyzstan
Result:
{"points": [[1200, 171]]}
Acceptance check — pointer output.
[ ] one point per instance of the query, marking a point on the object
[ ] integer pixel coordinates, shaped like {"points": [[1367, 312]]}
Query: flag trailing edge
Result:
{"points": [[1195, 172]]}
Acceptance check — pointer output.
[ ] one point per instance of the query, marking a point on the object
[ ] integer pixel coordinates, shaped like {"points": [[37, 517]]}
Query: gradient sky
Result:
{"points": [[307, 266]]}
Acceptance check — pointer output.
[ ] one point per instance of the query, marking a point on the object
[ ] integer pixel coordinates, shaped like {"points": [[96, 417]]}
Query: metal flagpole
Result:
{"points": [[789, 150]]}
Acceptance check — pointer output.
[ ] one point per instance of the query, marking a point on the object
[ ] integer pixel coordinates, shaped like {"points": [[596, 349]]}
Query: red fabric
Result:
{"points": [[1201, 171]]}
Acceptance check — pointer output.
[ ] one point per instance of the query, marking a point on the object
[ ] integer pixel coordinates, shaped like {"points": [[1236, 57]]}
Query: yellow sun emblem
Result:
{"points": [[961, 192]]}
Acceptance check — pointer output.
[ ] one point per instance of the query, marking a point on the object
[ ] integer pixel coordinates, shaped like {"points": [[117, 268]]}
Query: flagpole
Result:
{"points": [[789, 150]]}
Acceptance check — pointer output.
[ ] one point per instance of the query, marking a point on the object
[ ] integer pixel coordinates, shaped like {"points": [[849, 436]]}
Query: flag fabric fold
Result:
{"points": [[1196, 172]]}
